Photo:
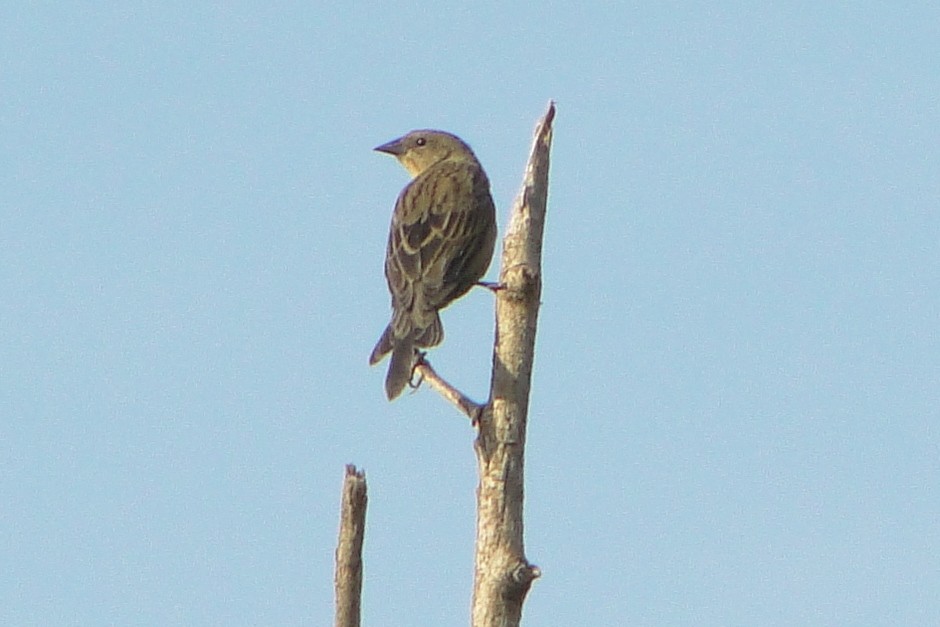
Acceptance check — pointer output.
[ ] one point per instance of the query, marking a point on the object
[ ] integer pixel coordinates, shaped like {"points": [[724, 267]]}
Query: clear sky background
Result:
{"points": [[736, 395]]}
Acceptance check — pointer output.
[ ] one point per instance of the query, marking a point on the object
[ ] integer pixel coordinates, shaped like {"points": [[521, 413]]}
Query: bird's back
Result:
{"points": [[442, 237]]}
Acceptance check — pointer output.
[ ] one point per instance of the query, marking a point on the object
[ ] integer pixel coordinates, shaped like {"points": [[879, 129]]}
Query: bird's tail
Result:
{"points": [[400, 367], [382, 347], [402, 350]]}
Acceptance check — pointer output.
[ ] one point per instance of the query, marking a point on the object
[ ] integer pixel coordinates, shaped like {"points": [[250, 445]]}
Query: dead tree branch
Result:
{"points": [[502, 574], [348, 577]]}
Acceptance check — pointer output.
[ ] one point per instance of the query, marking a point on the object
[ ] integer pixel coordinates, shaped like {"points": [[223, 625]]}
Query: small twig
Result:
{"points": [[457, 398]]}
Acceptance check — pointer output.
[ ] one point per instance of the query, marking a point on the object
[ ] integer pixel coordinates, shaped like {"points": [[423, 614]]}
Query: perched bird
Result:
{"points": [[439, 244]]}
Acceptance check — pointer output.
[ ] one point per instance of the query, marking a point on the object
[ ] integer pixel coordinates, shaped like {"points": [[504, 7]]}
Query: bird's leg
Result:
{"points": [[492, 286], [418, 361]]}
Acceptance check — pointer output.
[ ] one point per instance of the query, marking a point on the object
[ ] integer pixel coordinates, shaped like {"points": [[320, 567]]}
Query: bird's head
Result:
{"points": [[419, 150]]}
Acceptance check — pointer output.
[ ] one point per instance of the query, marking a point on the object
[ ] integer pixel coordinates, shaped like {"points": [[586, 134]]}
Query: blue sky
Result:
{"points": [[737, 385]]}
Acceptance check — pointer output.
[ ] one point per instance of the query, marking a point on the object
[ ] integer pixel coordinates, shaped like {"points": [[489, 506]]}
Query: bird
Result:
{"points": [[440, 243]]}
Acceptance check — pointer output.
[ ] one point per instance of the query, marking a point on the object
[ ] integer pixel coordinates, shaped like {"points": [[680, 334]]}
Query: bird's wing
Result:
{"points": [[472, 232], [443, 221]]}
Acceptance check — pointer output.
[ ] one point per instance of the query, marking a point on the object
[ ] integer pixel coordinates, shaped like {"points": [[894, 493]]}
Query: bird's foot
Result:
{"points": [[418, 360]]}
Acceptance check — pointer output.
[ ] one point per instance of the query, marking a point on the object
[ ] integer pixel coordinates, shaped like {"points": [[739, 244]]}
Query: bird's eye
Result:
{"points": [[420, 141]]}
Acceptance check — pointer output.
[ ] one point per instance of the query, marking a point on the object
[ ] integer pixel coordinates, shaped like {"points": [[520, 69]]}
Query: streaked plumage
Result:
{"points": [[439, 245]]}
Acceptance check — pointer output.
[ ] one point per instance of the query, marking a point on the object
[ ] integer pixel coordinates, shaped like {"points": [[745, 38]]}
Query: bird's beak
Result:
{"points": [[393, 147]]}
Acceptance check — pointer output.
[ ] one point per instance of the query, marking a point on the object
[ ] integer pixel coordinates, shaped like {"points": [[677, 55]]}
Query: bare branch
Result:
{"points": [[503, 575], [348, 577]]}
